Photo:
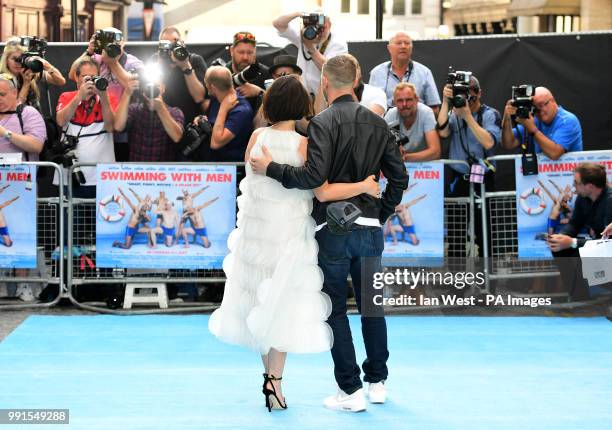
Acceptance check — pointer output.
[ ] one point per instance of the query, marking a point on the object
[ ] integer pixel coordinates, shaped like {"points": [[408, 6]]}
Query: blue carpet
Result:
{"points": [[168, 372]]}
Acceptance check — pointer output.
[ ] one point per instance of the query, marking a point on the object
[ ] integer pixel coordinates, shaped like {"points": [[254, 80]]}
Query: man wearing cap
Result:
{"points": [[244, 53], [312, 54], [402, 68], [284, 65], [475, 131]]}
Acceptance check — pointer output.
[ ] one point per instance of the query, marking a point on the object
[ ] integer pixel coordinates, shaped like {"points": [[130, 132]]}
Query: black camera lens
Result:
{"points": [[311, 32], [180, 52], [32, 63], [100, 83], [113, 50]]}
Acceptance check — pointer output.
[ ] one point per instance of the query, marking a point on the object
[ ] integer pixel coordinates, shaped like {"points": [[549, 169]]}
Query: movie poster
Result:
{"points": [[545, 202], [164, 217], [18, 216], [416, 229]]}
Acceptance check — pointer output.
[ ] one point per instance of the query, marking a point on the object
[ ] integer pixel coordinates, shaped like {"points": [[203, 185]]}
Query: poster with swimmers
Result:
{"points": [[544, 202], [164, 216], [17, 216], [416, 230]]}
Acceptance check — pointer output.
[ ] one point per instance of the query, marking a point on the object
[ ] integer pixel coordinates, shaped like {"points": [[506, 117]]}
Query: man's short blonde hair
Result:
{"points": [[341, 71], [404, 85], [220, 77]]}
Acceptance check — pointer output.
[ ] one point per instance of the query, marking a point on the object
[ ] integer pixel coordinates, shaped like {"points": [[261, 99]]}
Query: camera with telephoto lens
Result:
{"points": [[194, 137], [106, 40], [460, 81], [36, 49], [66, 151], [99, 82], [313, 23], [248, 74], [400, 139], [522, 100], [178, 48]]}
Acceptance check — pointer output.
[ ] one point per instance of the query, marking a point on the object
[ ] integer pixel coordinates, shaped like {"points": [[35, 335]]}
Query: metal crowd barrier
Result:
{"points": [[50, 249]]}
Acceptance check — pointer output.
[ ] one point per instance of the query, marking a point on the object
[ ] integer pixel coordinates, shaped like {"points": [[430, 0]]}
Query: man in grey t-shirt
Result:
{"points": [[415, 121]]}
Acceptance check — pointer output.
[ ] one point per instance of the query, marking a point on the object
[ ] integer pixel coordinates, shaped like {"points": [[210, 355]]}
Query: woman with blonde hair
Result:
{"points": [[25, 80]]}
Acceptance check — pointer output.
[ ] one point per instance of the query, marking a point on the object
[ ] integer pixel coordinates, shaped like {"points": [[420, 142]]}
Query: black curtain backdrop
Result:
{"points": [[577, 69]]}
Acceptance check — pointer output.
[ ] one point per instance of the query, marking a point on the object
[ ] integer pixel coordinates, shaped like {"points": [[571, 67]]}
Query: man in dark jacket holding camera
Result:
{"points": [[346, 143], [182, 76]]}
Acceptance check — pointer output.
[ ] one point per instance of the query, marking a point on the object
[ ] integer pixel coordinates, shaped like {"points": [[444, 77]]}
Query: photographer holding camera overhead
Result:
{"points": [[554, 130], [24, 58], [315, 43], [153, 128], [86, 117], [182, 74], [474, 129]]}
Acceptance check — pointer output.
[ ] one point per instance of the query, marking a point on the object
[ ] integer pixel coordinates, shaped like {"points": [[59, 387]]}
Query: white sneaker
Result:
{"points": [[377, 392], [346, 402], [24, 292]]}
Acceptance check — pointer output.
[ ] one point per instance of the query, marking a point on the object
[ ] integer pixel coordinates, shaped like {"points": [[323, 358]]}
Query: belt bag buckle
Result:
{"points": [[341, 216]]}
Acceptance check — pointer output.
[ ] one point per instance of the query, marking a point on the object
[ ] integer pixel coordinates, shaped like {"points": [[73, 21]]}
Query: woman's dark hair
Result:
{"points": [[287, 99]]}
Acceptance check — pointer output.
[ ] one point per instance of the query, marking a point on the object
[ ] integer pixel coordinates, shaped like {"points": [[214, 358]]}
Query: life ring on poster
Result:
{"points": [[532, 210], [110, 201]]}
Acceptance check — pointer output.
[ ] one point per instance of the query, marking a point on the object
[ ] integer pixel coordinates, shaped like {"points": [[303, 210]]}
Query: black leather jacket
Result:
{"points": [[347, 143]]}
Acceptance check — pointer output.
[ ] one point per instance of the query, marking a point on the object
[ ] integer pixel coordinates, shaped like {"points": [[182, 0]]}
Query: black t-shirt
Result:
{"points": [[177, 94]]}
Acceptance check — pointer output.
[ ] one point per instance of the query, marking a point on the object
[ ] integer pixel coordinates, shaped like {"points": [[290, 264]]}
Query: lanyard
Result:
{"points": [[410, 67]]}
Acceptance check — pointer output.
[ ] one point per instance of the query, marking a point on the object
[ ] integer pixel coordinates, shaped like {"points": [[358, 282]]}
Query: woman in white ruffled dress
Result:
{"points": [[273, 301]]}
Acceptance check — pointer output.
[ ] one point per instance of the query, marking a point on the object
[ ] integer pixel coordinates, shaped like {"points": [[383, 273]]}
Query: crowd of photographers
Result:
{"points": [[173, 107]]}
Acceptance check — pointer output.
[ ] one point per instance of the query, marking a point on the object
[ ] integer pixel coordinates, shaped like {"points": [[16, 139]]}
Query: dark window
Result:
{"points": [[363, 7], [345, 7], [416, 7], [399, 7]]}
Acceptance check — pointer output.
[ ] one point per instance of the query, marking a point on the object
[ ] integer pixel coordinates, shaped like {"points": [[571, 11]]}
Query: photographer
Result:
{"points": [[249, 82], [230, 115], [116, 67], [27, 65], [22, 129], [86, 116], [402, 68], [183, 78], [315, 43], [415, 124], [474, 129], [592, 212], [554, 131], [153, 128]]}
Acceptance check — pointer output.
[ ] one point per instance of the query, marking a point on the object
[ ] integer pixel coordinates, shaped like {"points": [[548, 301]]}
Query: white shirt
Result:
{"points": [[373, 95], [310, 72]]}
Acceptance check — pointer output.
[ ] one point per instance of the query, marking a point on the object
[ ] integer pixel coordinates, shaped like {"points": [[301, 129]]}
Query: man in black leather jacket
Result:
{"points": [[346, 143]]}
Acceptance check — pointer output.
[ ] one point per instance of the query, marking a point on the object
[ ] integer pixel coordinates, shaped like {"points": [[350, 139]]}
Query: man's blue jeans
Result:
{"points": [[358, 253]]}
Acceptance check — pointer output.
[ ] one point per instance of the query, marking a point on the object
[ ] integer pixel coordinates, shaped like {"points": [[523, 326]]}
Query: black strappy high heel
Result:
{"points": [[272, 400]]}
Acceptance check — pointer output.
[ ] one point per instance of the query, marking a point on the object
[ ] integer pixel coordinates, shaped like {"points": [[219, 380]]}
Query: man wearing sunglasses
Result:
{"points": [[244, 53], [554, 130]]}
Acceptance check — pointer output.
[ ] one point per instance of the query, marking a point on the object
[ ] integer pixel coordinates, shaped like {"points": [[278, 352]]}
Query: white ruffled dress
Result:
{"points": [[273, 296]]}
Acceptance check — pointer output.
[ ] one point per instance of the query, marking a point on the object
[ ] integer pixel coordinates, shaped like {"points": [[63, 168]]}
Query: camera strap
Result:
{"points": [[409, 71], [321, 49], [18, 110], [466, 145]]}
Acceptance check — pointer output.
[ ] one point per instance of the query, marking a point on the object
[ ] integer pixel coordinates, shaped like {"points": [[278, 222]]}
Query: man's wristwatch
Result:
{"points": [[574, 243], [188, 71], [8, 134]]}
